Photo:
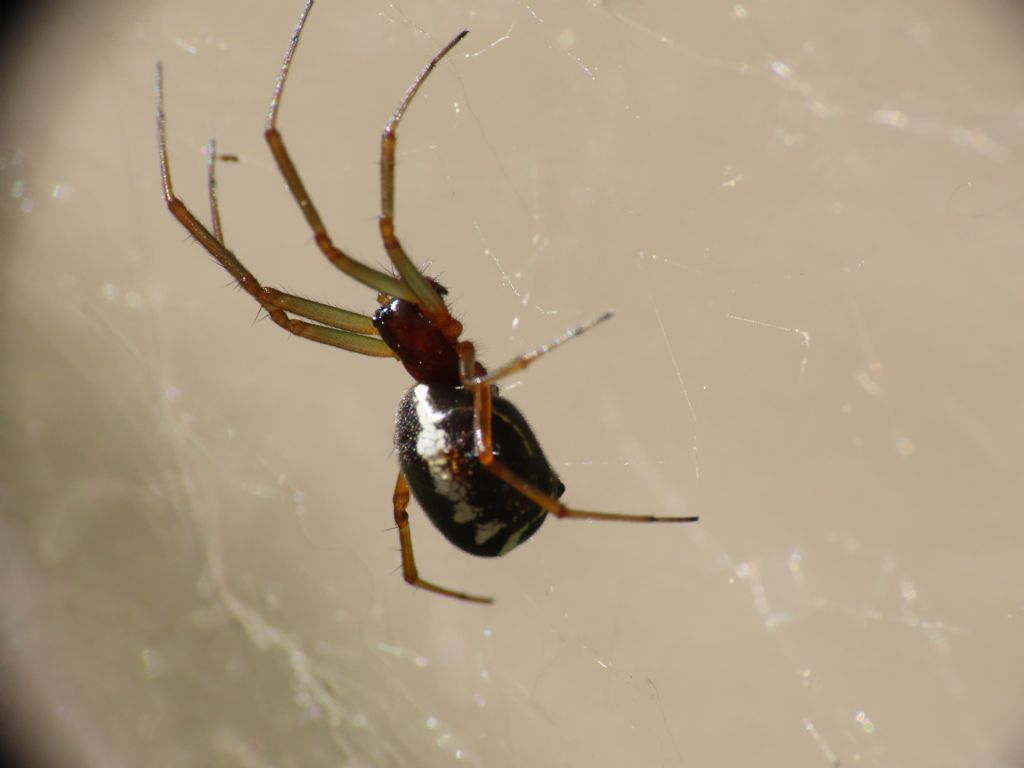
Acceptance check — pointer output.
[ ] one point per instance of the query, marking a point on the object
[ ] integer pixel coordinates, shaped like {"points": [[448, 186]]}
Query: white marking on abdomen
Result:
{"points": [[433, 447]]}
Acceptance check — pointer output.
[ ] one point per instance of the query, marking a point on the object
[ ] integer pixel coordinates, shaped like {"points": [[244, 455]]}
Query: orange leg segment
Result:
{"points": [[409, 571]]}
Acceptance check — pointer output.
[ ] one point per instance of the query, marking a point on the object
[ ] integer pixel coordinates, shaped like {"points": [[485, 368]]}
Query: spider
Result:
{"points": [[467, 454]]}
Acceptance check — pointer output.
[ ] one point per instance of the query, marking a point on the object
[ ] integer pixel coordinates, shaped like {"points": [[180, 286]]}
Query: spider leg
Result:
{"points": [[211, 184], [523, 361], [334, 317], [483, 438], [373, 278], [351, 331], [325, 314], [409, 572], [427, 298]]}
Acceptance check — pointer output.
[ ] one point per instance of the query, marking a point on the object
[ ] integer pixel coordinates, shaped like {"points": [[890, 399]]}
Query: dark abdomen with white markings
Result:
{"points": [[476, 511]]}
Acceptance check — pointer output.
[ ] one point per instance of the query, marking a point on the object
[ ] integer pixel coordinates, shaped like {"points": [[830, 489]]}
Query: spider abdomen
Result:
{"points": [[475, 510]]}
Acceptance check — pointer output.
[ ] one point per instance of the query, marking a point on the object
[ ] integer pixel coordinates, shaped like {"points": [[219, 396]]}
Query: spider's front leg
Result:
{"points": [[340, 328], [364, 274], [426, 297], [409, 571], [480, 386]]}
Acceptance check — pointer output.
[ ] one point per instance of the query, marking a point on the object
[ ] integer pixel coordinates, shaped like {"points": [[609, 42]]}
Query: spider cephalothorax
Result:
{"points": [[427, 353]]}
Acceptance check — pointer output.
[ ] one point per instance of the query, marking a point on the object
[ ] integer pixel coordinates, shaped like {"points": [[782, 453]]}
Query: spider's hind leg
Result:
{"points": [[480, 386], [409, 571]]}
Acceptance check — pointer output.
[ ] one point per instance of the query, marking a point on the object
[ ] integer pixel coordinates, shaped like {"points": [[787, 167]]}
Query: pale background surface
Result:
{"points": [[808, 217]]}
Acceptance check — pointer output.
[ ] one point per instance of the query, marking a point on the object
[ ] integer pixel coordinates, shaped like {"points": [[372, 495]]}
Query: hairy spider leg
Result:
{"points": [[326, 314], [427, 298], [409, 572], [381, 281], [482, 430], [529, 358], [211, 184], [373, 278], [340, 328]]}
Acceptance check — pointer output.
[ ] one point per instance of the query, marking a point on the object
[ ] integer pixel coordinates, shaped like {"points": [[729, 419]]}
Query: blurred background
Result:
{"points": [[807, 218]]}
